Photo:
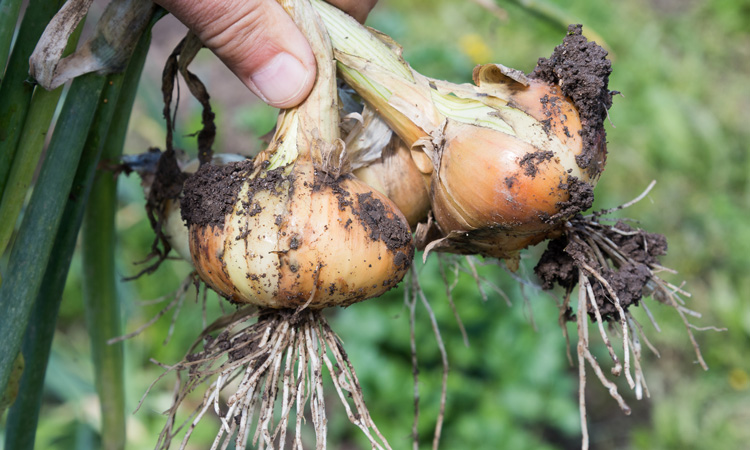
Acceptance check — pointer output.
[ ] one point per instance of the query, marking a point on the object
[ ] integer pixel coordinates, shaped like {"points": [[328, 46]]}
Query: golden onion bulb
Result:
{"points": [[501, 191], [511, 157], [292, 236], [396, 176]]}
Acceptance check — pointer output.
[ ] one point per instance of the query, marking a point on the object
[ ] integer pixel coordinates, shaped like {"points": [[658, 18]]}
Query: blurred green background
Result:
{"points": [[683, 67]]}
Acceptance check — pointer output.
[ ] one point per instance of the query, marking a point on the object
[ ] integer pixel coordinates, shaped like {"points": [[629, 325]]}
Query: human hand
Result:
{"points": [[259, 42]]}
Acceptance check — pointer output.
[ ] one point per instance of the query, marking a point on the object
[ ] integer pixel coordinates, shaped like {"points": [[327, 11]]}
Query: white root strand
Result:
{"points": [[623, 323], [586, 286], [582, 348], [411, 303], [283, 355]]}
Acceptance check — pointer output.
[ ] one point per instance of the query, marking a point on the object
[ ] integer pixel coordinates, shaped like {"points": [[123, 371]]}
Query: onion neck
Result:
{"points": [[413, 105], [302, 131], [368, 64]]}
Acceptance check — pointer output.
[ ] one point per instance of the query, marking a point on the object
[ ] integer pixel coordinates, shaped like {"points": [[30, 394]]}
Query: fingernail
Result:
{"points": [[280, 80]]}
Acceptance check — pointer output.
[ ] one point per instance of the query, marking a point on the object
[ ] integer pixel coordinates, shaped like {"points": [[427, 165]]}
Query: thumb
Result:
{"points": [[258, 41]]}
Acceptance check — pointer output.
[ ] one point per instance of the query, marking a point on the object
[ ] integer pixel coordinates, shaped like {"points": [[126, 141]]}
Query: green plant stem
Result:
{"points": [[9, 10], [103, 307], [351, 38], [16, 89], [31, 143], [33, 245], [99, 274], [37, 342], [24, 414]]}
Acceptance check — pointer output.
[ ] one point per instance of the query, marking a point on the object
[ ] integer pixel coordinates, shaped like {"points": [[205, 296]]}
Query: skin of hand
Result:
{"points": [[259, 42]]}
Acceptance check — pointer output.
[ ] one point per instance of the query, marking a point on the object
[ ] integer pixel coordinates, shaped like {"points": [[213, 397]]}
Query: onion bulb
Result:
{"points": [[509, 158], [291, 232], [293, 227], [295, 235], [395, 175]]}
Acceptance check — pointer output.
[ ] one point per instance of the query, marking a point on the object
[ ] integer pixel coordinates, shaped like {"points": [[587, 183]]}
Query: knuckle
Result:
{"points": [[236, 33]]}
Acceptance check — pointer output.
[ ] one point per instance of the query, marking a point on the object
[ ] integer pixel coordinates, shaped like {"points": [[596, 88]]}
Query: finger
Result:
{"points": [[359, 9], [258, 41]]}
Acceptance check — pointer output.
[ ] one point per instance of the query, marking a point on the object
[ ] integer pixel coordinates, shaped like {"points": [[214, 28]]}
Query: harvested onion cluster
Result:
{"points": [[324, 217], [507, 160]]}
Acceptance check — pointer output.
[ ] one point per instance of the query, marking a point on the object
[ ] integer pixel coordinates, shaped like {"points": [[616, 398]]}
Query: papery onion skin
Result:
{"points": [[505, 192], [396, 176], [481, 182], [303, 236]]}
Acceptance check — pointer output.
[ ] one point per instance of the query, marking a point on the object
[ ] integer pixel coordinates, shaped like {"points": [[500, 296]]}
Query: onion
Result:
{"points": [[293, 236], [396, 176], [293, 227], [495, 192], [510, 158], [292, 232]]}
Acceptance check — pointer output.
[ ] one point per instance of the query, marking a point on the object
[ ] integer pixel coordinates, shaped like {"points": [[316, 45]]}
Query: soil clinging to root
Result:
{"points": [[582, 70], [561, 262], [580, 198]]}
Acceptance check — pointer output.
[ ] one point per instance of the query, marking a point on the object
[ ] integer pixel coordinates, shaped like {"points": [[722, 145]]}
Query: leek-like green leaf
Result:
{"points": [[24, 414], [16, 88], [31, 143], [33, 246], [9, 10]]}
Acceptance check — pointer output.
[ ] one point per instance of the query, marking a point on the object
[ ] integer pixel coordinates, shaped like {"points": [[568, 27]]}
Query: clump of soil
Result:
{"points": [[581, 197], [641, 246], [210, 194], [556, 266], [561, 262], [382, 226], [627, 281], [582, 71], [530, 161]]}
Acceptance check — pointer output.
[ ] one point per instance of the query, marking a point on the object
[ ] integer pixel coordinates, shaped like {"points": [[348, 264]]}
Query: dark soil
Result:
{"points": [[643, 247], [627, 281], [581, 197], [556, 266], [373, 215], [582, 70], [323, 180], [561, 262], [382, 225], [210, 194], [385, 227], [530, 161]]}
